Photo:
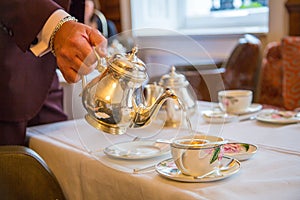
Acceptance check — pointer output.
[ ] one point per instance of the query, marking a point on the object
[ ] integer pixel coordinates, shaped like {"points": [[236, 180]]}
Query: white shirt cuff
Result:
{"points": [[42, 47]]}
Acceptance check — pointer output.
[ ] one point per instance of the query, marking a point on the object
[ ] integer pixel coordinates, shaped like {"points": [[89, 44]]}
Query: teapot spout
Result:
{"points": [[144, 115]]}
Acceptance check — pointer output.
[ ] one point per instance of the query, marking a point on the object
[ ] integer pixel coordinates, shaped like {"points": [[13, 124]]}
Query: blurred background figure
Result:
{"points": [[96, 19], [117, 43]]}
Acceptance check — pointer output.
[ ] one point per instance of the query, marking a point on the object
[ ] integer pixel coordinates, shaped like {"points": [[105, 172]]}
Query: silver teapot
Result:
{"points": [[183, 90], [114, 100]]}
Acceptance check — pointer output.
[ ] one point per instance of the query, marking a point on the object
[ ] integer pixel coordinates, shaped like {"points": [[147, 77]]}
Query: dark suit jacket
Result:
{"points": [[25, 80]]}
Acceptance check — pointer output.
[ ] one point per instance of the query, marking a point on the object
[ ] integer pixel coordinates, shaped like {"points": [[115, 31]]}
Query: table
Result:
{"points": [[73, 151]]}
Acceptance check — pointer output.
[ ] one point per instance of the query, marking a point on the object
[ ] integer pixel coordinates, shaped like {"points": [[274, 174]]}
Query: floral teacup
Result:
{"points": [[235, 101], [195, 157]]}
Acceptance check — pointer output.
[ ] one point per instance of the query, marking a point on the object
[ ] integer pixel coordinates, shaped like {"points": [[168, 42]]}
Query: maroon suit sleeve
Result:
{"points": [[22, 20], [25, 80]]}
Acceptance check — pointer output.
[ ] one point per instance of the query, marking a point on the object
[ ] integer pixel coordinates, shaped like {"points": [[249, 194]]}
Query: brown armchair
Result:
{"points": [[240, 71], [270, 92], [24, 175], [243, 65], [280, 74]]}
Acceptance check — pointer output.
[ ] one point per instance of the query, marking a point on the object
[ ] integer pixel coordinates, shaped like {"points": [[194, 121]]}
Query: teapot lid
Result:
{"points": [[129, 65], [173, 79]]}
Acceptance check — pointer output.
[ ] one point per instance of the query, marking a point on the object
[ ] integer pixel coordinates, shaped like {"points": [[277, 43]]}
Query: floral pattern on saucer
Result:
{"points": [[239, 151], [169, 167], [235, 147], [278, 117]]}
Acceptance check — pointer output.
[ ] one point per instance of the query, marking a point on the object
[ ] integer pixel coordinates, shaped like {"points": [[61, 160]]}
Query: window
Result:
{"points": [[202, 16]]}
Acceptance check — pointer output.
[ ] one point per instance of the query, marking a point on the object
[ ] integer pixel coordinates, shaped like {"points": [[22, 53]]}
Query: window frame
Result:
{"points": [[176, 20]]}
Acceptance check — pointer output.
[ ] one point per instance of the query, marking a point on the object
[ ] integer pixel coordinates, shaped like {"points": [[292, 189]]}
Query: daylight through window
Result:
{"points": [[202, 16]]}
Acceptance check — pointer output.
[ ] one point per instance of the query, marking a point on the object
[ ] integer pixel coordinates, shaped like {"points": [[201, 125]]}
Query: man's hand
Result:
{"points": [[74, 45]]}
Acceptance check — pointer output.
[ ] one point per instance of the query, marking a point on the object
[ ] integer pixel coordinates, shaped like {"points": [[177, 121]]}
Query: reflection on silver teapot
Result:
{"points": [[183, 90], [114, 100], [151, 92]]}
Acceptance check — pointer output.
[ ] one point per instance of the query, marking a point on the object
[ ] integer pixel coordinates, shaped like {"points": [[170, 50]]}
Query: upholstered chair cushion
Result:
{"points": [[280, 74], [24, 175], [271, 76], [291, 72]]}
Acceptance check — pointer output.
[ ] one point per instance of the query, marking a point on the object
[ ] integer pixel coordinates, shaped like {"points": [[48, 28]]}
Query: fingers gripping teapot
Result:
{"points": [[114, 100]]}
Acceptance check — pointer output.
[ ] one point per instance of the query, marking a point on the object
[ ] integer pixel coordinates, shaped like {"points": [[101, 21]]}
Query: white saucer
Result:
{"points": [[255, 107], [168, 169], [239, 151], [278, 117], [217, 116], [137, 150]]}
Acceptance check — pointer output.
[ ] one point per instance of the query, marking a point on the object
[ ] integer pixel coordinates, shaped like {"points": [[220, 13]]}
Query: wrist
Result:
{"points": [[56, 29]]}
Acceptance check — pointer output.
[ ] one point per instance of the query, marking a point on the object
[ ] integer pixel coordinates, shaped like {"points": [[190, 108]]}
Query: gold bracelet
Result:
{"points": [[57, 27]]}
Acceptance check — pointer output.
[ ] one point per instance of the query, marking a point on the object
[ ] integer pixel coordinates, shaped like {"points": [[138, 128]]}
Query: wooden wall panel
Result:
{"points": [[293, 7]]}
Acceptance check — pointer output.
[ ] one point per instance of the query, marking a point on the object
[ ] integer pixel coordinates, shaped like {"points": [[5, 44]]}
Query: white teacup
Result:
{"points": [[194, 159], [235, 101]]}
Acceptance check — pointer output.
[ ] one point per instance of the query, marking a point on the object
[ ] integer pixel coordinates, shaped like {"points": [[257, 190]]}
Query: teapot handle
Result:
{"points": [[101, 62], [83, 83], [101, 66]]}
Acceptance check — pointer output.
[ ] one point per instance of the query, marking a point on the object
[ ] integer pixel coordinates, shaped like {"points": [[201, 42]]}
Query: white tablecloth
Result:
{"points": [[74, 152]]}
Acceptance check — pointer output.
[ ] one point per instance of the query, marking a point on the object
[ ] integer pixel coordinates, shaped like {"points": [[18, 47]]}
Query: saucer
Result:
{"points": [[255, 107], [278, 117], [168, 169], [239, 151], [217, 116], [137, 150]]}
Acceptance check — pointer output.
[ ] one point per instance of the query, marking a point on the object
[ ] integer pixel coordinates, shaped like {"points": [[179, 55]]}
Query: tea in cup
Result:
{"points": [[194, 156], [235, 101]]}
